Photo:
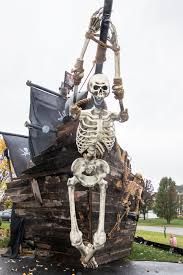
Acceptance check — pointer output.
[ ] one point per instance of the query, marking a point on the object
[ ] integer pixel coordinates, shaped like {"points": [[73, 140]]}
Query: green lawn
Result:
{"points": [[142, 252], [160, 222], [4, 242], [5, 227], [158, 237]]}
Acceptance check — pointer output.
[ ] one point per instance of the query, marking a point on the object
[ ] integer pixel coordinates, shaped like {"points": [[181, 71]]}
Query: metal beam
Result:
{"points": [[101, 51], [30, 84], [12, 134]]}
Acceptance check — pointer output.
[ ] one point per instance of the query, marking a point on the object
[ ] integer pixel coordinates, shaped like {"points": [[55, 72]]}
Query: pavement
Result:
{"points": [[169, 229], [31, 266]]}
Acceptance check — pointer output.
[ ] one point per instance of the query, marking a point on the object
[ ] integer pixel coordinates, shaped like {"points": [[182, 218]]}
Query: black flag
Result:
{"points": [[47, 110], [68, 80], [19, 153]]}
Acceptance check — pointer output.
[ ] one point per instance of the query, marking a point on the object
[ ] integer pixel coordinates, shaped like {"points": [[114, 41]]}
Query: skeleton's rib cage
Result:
{"points": [[95, 129]]}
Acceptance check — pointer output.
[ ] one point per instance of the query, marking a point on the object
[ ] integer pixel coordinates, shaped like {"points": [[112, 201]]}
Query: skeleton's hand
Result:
{"points": [[124, 115], [78, 71], [118, 88], [75, 110], [118, 92]]}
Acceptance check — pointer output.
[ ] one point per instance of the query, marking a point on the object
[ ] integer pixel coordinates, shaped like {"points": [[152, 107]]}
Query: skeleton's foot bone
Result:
{"points": [[91, 263], [99, 240]]}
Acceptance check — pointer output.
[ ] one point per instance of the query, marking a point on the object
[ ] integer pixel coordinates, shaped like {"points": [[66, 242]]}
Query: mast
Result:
{"points": [[101, 49]]}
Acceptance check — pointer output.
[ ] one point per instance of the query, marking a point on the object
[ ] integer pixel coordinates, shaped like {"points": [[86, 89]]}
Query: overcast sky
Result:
{"points": [[40, 39]]}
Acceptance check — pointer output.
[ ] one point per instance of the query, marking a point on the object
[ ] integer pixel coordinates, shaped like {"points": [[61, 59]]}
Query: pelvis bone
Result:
{"points": [[88, 173]]}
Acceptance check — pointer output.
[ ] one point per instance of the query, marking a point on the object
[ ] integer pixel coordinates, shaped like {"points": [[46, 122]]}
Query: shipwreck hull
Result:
{"points": [[47, 216]]}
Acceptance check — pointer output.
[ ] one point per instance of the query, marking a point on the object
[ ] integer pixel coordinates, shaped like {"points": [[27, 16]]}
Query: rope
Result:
{"points": [[91, 36], [87, 75]]}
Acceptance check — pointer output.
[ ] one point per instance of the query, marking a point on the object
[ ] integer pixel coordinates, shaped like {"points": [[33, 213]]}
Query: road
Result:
{"points": [[29, 266], [173, 230]]}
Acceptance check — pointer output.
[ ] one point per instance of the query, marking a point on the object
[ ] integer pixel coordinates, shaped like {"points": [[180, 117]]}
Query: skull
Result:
{"points": [[99, 87]]}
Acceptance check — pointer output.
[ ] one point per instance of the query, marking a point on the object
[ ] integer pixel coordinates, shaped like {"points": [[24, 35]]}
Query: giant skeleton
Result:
{"points": [[95, 135]]}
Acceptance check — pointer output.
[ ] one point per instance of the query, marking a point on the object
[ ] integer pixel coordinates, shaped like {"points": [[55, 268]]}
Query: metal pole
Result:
{"points": [[101, 51], [30, 84], [11, 134], [6, 154], [40, 128]]}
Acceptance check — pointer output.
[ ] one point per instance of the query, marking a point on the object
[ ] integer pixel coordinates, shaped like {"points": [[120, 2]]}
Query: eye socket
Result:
{"points": [[104, 88], [96, 87]]}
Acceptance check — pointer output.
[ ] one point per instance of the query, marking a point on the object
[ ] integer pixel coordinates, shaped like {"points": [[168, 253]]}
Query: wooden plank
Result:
{"points": [[18, 190], [116, 255], [18, 183], [21, 198], [36, 191]]}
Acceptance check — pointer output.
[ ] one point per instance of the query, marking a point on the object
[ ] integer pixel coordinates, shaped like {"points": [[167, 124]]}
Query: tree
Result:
{"points": [[147, 197], [4, 171], [166, 200]]}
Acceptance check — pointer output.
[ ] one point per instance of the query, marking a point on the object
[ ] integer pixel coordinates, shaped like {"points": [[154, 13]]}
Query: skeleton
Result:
{"points": [[134, 188], [95, 135]]}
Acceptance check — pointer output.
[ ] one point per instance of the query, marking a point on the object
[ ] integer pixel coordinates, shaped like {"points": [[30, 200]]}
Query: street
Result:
{"points": [[173, 230], [30, 266]]}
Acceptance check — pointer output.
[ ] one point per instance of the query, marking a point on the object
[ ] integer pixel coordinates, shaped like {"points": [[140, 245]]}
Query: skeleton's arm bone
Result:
{"points": [[78, 70], [121, 116]]}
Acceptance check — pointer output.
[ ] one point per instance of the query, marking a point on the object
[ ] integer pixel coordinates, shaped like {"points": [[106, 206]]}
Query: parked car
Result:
{"points": [[6, 215]]}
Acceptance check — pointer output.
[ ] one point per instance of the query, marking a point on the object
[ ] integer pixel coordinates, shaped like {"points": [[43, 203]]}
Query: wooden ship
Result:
{"points": [[65, 224]]}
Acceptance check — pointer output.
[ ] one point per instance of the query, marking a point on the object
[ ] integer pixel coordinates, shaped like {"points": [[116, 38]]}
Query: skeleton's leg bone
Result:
{"points": [[138, 199], [126, 199], [76, 234], [99, 238]]}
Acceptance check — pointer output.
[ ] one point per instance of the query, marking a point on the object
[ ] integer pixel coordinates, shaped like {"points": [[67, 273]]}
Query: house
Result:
{"points": [[179, 190]]}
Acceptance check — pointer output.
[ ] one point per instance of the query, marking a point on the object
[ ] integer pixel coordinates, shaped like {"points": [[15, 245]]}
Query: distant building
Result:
{"points": [[151, 215], [179, 190]]}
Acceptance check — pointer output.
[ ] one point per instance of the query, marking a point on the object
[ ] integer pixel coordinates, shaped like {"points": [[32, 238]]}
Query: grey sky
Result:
{"points": [[40, 39]]}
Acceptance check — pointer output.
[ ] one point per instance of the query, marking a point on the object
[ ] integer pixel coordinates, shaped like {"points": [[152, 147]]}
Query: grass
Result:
{"points": [[4, 242], [160, 222], [5, 225], [142, 252], [158, 237], [4, 238]]}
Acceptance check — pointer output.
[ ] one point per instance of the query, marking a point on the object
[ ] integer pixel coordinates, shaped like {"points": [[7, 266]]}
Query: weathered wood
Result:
{"points": [[36, 191], [113, 256], [21, 198], [48, 223]]}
